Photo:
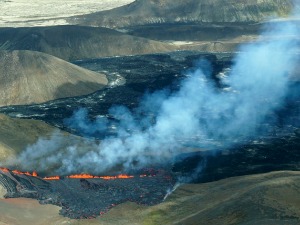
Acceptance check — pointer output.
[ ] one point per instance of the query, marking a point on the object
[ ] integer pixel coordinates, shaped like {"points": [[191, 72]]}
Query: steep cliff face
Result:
{"points": [[31, 77], [76, 42], [143, 12]]}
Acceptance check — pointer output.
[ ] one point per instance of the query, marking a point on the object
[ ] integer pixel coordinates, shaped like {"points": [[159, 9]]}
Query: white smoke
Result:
{"points": [[257, 84], [170, 191]]}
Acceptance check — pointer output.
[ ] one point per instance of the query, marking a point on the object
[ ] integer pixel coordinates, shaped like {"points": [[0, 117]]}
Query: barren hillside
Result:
{"points": [[143, 12], [76, 42], [31, 77]]}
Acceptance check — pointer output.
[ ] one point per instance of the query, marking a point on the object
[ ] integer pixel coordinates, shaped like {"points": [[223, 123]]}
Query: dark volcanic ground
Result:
{"points": [[130, 77], [88, 198], [194, 32], [277, 153]]}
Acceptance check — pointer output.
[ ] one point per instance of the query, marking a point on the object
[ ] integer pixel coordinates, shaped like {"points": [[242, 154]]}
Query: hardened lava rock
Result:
{"points": [[88, 198]]}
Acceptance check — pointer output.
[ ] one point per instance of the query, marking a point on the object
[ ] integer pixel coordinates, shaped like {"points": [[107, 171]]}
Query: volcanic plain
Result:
{"points": [[60, 57]]}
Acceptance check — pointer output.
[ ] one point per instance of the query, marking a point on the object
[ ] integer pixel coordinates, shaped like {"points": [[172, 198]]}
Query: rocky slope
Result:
{"points": [[28, 77], [143, 12], [76, 42]]}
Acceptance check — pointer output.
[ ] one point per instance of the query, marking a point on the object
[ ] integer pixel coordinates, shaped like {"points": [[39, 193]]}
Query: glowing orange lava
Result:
{"points": [[5, 170], [74, 176], [121, 176], [88, 176], [79, 176], [52, 178], [33, 174]]}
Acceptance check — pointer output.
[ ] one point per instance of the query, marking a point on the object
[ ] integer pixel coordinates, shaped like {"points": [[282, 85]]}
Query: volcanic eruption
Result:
{"points": [[230, 114], [240, 109], [85, 195]]}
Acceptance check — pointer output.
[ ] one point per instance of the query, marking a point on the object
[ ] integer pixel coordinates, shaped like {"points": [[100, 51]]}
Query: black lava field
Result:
{"points": [[130, 78]]}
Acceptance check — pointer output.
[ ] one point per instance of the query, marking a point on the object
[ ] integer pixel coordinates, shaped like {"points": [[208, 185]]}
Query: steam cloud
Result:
{"points": [[256, 85]]}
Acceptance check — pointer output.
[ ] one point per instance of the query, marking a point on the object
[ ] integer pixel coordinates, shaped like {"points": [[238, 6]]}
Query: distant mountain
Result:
{"points": [[77, 42], [28, 77], [205, 37], [143, 12]]}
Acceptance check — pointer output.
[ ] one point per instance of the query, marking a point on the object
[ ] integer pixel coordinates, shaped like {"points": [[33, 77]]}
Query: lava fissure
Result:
{"points": [[85, 195], [52, 178], [72, 176], [6, 170], [88, 176]]}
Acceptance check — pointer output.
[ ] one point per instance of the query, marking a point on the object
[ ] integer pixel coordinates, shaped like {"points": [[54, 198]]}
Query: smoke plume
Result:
{"points": [[166, 122]]}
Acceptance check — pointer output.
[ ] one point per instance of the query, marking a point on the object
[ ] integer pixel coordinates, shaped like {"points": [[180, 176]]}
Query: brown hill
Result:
{"points": [[143, 12], [77, 42], [28, 77]]}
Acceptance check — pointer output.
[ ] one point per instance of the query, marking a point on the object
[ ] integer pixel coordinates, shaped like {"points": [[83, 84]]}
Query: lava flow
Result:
{"points": [[121, 176], [88, 176], [33, 174], [74, 176], [85, 195], [52, 178]]}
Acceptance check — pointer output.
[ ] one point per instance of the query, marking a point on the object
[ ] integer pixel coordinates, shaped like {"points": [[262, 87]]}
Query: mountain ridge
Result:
{"points": [[143, 12], [72, 43]]}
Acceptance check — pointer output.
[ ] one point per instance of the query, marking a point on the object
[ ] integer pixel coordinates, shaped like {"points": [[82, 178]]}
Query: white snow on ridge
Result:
{"points": [[20, 13]]}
